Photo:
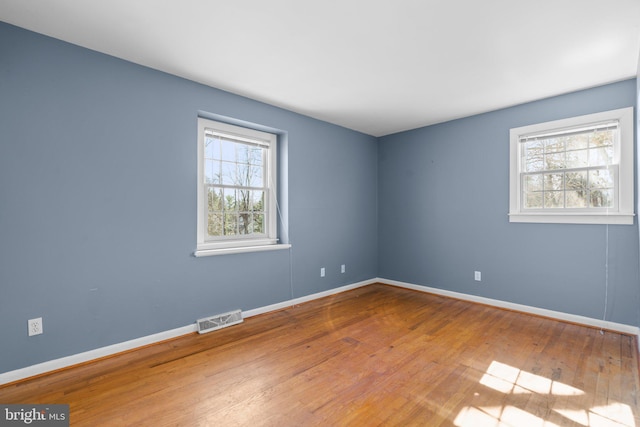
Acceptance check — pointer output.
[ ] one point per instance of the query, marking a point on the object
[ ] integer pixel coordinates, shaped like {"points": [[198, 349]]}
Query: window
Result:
{"points": [[237, 209], [577, 170]]}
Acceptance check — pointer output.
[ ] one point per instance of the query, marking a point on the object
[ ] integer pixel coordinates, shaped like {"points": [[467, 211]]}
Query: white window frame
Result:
{"points": [[623, 163], [242, 243]]}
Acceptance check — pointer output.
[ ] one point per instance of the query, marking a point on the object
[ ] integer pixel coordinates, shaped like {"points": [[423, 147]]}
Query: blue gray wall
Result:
{"points": [[443, 203], [638, 163], [98, 194], [98, 203]]}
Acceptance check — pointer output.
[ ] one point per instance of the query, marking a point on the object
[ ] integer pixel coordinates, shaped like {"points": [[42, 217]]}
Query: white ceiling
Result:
{"points": [[376, 66]]}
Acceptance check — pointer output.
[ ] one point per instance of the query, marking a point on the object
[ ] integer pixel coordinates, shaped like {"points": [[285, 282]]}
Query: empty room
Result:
{"points": [[290, 213]]}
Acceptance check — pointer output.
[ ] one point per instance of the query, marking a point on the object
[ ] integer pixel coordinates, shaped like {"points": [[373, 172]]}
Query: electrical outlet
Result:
{"points": [[477, 276], [322, 272], [343, 268], [35, 326]]}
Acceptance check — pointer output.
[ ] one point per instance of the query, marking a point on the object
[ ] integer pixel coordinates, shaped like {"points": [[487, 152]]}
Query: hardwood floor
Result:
{"points": [[377, 355]]}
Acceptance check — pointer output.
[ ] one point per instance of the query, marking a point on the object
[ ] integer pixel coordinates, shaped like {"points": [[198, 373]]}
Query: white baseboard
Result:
{"points": [[587, 321], [75, 359], [64, 362], [87, 356], [289, 303]]}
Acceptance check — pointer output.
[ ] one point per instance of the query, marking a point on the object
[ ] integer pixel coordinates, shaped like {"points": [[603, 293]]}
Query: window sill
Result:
{"points": [[238, 250], [546, 218]]}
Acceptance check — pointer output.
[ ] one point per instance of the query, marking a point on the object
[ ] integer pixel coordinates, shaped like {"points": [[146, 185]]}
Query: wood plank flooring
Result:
{"points": [[377, 355]]}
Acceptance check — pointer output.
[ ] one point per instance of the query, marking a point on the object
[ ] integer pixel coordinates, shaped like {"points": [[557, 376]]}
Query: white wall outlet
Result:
{"points": [[35, 326], [477, 276], [322, 272], [343, 268]]}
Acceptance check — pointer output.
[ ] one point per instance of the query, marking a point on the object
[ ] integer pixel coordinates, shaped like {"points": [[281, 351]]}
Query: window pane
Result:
{"points": [[554, 161], [553, 145], [228, 172], [214, 224], [212, 172], [230, 224], [602, 198], [243, 200], [230, 199], [244, 223], [553, 181], [533, 156], [228, 150], [603, 138], [233, 212], [257, 201], [242, 153], [576, 180], [214, 200], [258, 223], [255, 156], [533, 183], [602, 156], [553, 199], [577, 142], [601, 178], [534, 163], [533, 200], [249, 175], [257, 176], [211, 148], [576, 199], [577, 159]]}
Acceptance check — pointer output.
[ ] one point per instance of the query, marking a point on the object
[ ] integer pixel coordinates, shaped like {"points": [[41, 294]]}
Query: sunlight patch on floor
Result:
{"points": [[499, 416], [510, 380], [615, 414], [507, 379]]}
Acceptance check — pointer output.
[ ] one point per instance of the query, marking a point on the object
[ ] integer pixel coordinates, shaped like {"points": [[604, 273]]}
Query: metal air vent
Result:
{"points": [[218, 321]]}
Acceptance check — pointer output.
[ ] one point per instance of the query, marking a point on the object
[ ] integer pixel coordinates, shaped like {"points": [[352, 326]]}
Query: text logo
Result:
{"points": [[34, 415]]}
